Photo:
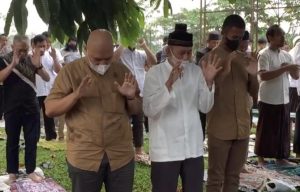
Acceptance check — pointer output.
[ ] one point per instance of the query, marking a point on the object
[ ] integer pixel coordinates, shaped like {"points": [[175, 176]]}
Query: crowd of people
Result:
{"points": [[108, 96]]}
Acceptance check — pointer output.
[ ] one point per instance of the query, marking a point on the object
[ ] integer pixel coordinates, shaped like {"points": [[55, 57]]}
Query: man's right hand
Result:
{"points": [[84, 85], [176, 73]]}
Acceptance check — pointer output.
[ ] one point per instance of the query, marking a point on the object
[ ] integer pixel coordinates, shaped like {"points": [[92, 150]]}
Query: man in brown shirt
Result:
{"points": [[228, 123], [97, 101]]}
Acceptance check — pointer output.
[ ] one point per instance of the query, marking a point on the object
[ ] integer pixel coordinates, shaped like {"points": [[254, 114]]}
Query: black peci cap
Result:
{"points": [[180, 36]]}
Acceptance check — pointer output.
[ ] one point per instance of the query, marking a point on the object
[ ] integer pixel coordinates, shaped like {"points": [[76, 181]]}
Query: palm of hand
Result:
{"points": [[127, 89], [53, 54], [210, 72]]}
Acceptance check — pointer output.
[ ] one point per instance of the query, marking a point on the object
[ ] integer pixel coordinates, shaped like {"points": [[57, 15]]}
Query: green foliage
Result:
{"points": [[9, 18], [42, 7], [125, 19], [167, 7], [267, 13], [19, 13], [162, 26]]}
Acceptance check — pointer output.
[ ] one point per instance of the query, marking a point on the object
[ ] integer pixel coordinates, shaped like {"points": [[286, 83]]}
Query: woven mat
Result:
{"points": [[256, 179], [27, 185]]}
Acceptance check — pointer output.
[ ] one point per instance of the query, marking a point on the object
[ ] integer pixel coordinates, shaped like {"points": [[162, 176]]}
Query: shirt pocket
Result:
{"points": [[113, 102]]}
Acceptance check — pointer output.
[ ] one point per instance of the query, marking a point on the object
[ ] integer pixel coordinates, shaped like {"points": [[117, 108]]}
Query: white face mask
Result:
{"points": [[183, 63], [101, 68]]}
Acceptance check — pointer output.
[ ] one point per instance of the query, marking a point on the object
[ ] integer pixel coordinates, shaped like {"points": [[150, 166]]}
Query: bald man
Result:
{"points": [[97, 96]]}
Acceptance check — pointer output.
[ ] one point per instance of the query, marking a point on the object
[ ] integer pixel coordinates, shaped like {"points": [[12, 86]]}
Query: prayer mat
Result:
{"points": [[287, 170], [257, 178], [27, 185]]}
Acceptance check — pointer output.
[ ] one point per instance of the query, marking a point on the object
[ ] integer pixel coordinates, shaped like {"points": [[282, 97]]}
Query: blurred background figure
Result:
{"points": [[261, 44], [4, 46], [70, 52], [161, 55]]}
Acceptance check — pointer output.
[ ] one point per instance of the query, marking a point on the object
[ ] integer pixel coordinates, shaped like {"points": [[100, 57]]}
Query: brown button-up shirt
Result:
{"points": [[99, 121], [229, 119]]}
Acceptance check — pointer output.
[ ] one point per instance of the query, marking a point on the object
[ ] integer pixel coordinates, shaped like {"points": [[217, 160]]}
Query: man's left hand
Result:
{"points": [[141, 42], [129, 86], [211, 68], [36, 58], [53, 53]]}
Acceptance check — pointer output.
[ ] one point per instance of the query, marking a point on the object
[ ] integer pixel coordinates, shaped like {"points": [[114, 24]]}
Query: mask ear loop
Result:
{"points": [[177, 60]]}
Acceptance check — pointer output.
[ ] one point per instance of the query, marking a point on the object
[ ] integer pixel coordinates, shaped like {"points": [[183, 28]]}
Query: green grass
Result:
{"points": [[142, 181], [59, 171]]}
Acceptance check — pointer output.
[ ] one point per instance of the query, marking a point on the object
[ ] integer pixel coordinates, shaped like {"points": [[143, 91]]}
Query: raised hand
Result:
{"points": [[141, 42], [177, 72], [53, 53], [129, 86], [211, 68], [84, 85], [36, 58]]}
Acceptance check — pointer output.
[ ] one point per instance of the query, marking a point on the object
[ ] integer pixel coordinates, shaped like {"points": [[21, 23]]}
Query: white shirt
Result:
{"points": [[174, 124], [70, 56], [274, 91], [43, 87], [5, 50], [135, 61], [295, 53]]}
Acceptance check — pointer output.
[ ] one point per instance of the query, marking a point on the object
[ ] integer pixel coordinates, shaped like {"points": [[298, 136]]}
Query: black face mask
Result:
{"points": [[232, 44]]}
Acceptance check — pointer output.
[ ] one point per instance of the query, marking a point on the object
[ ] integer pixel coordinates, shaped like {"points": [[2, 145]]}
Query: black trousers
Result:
{"points": [[14, 121], [48, 122], [137, 129], [164, 175], [296, 143], [120, 180]]}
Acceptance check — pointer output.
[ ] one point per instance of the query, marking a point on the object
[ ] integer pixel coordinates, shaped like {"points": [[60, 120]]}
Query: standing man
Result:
{"points": [[295, 53], [138, 62], [70, 53], [228, 122], [261, 44], [52, 66], [273, 129], [212, 41], [17, 72], [174, 92], [97, 96], [161, 55], [4, 49]]}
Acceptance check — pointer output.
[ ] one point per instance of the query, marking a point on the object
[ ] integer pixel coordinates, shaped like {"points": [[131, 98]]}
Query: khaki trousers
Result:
{"points": [[225, 162]]}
